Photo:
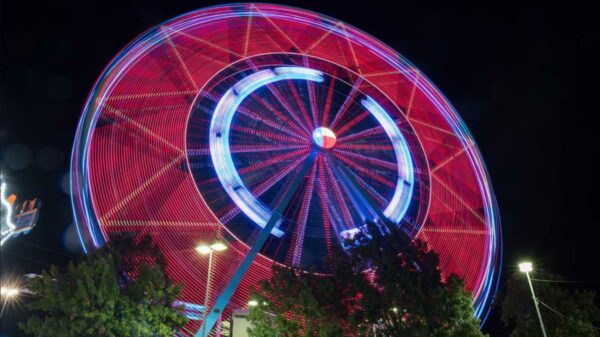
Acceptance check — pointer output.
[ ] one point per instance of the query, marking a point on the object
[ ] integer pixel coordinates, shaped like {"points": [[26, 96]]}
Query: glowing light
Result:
{"points": [[324, 137], [219, 137], [312, 73], [203, 249], [252, 303], [207, 249], [9, 291], [7, 231], [218, 246], [404, 186], [525, 267]]}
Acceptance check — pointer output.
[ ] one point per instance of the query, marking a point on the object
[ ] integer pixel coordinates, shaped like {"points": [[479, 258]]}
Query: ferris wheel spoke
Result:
{"points": [[282, 173], [300, 103], [328, 101], [326, 213], [184, 67], [272, 161], [202, 41], [232, 210], [251, 114], [142, 187], [311, 97], [296, 124], [254, 148], [370, 189], [431, 126], [351, 47], [360, 135], [146, 131], [247, 35], [256, 177], [338, 196], [347, 102], [412, 93], [313, 104], [351, 123], [449, 159], [368, 160], [365, 147], [300, 228], [266, 135], [185, 93], [459, 199], [287, 37], [364, 170]]}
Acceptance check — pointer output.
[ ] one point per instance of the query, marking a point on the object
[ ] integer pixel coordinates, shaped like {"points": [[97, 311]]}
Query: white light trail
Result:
{"points": [[7, 227]]}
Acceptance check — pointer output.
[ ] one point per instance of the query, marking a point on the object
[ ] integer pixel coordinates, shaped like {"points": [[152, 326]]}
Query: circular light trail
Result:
{"points": [[196, 131]]}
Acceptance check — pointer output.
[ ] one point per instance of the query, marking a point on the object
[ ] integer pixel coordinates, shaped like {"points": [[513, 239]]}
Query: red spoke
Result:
{"points": [[322, 191], [364, 147], [266, 134], [263, 148], [285, 105], [232, 210], [349, 99], [311, 96], [327, 108], [355, 120], [370, 189], [362, 134], [269, 122], [300, 104], [300, 228], [273, 160], [364, 170], [295, 125], [339, 197], [369, 160]]}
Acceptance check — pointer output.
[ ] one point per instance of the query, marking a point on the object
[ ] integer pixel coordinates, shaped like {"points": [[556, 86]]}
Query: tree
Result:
{"points": [[294, 303], [566, 313], [94, 297], [390, 286]]}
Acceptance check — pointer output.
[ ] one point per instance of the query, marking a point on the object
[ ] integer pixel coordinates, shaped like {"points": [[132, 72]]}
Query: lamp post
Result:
{"points": [[208, 250], [527, 267]]}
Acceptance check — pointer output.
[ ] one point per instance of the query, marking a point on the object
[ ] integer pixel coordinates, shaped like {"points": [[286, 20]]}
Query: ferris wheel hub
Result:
{"points": [[324, 137]]}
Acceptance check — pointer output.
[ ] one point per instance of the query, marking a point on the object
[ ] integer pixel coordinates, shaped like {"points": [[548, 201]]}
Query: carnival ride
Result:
{"points": [[282, 132], [16, 218]]}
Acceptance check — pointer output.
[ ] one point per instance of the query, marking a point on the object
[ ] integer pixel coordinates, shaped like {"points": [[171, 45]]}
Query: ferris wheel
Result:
{"points": [[283, 132]]}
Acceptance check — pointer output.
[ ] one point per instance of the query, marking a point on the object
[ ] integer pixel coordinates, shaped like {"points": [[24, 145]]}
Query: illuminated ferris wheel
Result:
{"points": [[282, 132]]}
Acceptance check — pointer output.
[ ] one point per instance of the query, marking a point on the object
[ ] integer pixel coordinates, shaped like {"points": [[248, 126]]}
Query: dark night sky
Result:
{"points": [[516, 72]]}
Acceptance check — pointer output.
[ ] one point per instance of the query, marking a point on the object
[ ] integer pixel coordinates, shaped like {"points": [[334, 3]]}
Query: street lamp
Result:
{"points": [[209, 250], [8, 293], [527, 267]]}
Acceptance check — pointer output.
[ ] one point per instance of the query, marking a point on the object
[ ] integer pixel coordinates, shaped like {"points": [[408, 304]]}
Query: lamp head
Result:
{"points": [[9, 292], [203, 249], [525, 267], [218, 246]]}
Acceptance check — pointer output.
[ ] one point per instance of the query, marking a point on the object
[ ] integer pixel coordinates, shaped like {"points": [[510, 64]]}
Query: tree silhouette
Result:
{"points": [[106, 294], [390, 286]]}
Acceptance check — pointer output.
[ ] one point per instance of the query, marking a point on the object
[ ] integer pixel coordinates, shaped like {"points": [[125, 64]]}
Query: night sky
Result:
{"points": [[517, 73]]}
